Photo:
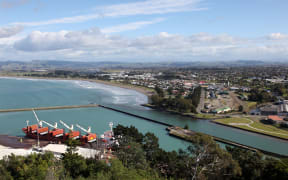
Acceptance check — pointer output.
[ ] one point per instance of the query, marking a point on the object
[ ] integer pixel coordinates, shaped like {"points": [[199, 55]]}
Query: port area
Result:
{"points": [[186, 134], [20, 142], [22, 146]]}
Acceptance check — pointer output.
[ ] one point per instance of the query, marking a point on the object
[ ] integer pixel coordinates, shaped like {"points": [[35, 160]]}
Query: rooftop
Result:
{"points": [[275, 118]]}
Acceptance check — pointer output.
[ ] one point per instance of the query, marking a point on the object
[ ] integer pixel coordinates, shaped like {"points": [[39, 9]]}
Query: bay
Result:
{"points": [[24, 93]]}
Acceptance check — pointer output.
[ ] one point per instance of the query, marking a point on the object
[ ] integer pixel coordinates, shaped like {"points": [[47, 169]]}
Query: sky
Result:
{"points": [[144, 30]]}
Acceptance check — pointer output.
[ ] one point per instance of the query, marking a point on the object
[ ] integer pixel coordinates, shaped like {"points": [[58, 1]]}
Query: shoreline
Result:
{"points": [[141, 90]]}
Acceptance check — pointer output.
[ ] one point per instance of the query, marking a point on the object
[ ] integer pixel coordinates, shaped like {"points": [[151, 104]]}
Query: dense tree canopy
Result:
{"points": [[139, 157]]}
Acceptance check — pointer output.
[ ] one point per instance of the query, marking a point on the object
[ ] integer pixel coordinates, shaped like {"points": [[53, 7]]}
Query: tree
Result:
{"points": [[159, 91], [276, 169], [34, 166], [132, 155], [72, 145], [150, 145], [240, 108], [156, 100], [251, 163], [210, 160], [170, 90], [184, 105], [75, 165]]}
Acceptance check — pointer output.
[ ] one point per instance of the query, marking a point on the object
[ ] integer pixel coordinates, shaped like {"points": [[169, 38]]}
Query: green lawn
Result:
{"points": [[201, 116], [260, 127], [232, 120], [251, 104], [205, 116]]}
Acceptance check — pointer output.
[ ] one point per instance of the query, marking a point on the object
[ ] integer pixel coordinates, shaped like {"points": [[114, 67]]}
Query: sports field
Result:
{"points": [[248, 124]]}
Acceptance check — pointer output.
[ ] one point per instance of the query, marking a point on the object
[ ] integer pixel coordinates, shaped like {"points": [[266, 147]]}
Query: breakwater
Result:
{"points": [[49, 108], [184, 134], [134, 115]]}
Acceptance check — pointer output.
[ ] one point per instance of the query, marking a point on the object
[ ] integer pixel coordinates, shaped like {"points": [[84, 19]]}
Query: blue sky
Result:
{"points": [[143, 30]]}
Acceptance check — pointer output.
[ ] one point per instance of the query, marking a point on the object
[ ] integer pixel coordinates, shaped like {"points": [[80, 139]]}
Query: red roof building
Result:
{"points": [[275, 118]]}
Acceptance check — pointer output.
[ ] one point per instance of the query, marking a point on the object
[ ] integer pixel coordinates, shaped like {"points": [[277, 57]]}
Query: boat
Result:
{"points": [[56, 134]]}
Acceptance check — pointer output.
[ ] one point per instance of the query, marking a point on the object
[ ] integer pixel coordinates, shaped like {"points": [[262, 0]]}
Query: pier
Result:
{"points": [[49, 108]]}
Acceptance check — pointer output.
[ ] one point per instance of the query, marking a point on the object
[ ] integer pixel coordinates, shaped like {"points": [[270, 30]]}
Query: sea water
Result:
{"points": [[28, 93]]}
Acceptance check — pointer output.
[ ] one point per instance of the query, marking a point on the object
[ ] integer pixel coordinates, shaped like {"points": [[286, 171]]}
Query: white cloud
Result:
{"points": [[277, 36], [130, 26], [9, 31], [49, 41], [150, 7], [146, 7], [65, 20], [94, 45]]}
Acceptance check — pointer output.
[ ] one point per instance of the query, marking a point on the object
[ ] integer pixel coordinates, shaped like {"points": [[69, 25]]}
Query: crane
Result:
{"points": [[90, 137], [39, 121], [55, 125], [72, 134], [64, 124], [83, 129], [56, 132], [111, 126]]}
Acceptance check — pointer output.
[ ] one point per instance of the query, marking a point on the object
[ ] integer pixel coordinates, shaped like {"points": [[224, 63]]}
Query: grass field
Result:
{"points": [[201, 116], [251, 104], [205, 116], [233, 120], [248, 124]]}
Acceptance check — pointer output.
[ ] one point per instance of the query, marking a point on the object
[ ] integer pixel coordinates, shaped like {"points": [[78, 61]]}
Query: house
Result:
{"points": [[274, 119], [223, 93], [234, 88], [243, 97], [221, 110], [269, 110], [280, 109]]}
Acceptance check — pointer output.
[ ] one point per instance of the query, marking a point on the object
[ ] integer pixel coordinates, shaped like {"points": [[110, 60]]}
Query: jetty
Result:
{"points": [[49, 108]]}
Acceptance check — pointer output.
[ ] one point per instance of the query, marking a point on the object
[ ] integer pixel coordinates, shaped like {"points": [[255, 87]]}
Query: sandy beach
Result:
{"points": [[143, 90]]}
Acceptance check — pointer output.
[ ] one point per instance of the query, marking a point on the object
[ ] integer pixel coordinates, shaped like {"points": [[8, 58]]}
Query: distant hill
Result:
{"points": [[60, 64]]}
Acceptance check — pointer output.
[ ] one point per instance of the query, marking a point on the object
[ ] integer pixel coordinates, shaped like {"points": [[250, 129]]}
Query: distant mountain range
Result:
{"points": [[55, 64]]}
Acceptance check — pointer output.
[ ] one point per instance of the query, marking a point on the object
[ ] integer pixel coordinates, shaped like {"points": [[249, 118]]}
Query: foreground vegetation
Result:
{"points": [[247, 124], [140, 157]]}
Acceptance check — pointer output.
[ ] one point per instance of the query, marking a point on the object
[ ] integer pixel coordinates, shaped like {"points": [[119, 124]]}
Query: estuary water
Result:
{"points": [[23, 93]]}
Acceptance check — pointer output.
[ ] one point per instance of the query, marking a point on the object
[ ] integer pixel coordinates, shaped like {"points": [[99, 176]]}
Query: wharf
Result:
{"points": [[49, 108], [20, 142]]}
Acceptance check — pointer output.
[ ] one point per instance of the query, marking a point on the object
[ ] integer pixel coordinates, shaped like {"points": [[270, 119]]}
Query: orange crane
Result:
{"points": [[89, 137], [72, 134], [40, 130], [55, 132]]}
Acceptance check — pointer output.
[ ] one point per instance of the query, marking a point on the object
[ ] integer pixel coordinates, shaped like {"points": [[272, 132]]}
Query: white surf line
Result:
{"points": [[251, 122]]}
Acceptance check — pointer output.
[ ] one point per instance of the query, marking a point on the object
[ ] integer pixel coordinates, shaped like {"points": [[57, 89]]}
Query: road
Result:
{"points": [[237, 101], [201, 102]]}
